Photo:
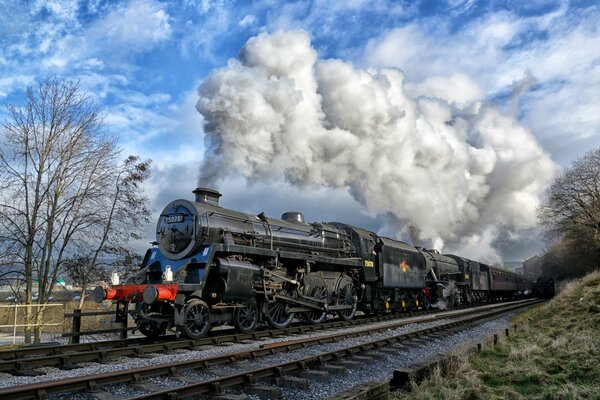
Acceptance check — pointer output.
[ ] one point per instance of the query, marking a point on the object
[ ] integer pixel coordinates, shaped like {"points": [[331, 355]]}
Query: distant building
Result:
{"points": [[511, 265], [519, 270], [532, 267]]}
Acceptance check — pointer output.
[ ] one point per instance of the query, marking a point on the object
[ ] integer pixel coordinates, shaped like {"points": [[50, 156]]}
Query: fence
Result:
{"points": [[120, 317], [15, 323]]}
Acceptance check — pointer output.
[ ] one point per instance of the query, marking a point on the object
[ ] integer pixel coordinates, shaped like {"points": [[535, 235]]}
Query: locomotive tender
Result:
{"points": [[213, 265]]}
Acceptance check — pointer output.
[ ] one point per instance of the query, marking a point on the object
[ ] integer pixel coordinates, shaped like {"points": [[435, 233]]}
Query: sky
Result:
{"points": [[436, 122]]}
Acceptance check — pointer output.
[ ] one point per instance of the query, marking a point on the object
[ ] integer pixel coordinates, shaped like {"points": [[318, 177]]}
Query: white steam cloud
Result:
{"points": [[433, 157]]}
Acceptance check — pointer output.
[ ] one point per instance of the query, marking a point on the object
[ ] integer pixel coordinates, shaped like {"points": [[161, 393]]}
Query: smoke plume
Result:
{"points": [[453, 169]]}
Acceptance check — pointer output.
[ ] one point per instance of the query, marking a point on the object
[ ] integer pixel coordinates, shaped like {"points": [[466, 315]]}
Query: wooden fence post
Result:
{"points": [[76, 330], [122, 314]]}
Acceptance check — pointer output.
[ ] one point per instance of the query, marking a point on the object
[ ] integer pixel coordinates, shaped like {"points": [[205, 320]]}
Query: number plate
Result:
{"points": [[173, 219]]}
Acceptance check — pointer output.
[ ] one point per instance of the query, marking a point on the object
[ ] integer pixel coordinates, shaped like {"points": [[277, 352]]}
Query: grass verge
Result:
{"points": [[555, 354]]}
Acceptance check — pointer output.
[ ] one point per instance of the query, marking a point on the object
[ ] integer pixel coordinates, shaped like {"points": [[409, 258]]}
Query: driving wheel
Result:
{"points": [[315, 287], [197, 322], [278, 315], [245, 318], [346, 296]]}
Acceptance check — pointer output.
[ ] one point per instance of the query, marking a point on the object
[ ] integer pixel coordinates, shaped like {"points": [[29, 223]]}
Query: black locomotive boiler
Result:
{"points": [[213, 265]]}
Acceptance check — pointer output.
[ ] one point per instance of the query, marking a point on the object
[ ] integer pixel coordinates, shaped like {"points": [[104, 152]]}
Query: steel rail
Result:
{"points": [[43, 389], [52, 348]]}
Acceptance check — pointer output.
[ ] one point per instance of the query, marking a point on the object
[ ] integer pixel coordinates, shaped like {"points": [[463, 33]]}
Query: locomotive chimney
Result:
{"points": [[293, 216], [207, 196]]}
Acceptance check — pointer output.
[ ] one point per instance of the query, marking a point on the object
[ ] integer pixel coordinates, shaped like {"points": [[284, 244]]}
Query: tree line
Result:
{"points": [[570, 219], [68, 197]]}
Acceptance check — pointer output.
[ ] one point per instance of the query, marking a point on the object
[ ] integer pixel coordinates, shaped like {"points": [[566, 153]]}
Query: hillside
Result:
{"points": [[555, 354]]}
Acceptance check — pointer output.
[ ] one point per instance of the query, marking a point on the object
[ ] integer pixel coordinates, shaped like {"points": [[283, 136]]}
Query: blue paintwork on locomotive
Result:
{"points": [[200, 257]]}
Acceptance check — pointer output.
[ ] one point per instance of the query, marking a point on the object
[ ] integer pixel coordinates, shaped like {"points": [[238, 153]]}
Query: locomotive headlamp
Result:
{"points": [[168, 274], [114, 278]]}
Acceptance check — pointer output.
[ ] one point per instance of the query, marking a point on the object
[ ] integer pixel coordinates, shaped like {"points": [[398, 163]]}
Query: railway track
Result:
{"points": [[24, 361], [251, 377]]}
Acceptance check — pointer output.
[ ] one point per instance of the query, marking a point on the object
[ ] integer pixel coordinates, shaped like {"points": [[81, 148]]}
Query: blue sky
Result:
{"points": [[143, 61]]}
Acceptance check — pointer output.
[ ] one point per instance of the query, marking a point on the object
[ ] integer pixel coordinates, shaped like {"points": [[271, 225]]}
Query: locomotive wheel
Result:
{"points": [[315, 286], [245, 318], [378, 306], [197, 322], [413, 304], [278, 316], [150, 329], [346, 296]]}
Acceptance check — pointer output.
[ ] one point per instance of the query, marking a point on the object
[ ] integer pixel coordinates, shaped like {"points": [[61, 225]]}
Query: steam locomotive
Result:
{"points": [[212, 265]]}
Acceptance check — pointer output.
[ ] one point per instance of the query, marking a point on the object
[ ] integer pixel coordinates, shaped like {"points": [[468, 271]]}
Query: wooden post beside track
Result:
{"points": [[76, 329], [123, 318]]}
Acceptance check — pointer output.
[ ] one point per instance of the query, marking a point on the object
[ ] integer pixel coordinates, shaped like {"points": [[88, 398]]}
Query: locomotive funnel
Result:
{"points": [[207, 196]]}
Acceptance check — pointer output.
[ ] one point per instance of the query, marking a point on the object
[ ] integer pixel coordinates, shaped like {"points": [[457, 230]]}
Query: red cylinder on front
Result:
{"points": [[166, 292], [110, 293]]}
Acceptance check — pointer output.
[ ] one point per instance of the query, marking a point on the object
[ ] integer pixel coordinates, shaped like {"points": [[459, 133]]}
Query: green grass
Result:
{"points": [[554, 354]]}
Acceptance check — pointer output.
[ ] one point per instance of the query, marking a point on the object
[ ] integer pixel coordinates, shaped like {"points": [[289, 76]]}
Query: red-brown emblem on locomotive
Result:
{"points": [[404, 266]]}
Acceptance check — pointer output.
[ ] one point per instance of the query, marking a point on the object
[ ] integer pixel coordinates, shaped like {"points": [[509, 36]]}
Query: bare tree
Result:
{"points": [[125, 212], [14, 280], [58, 168], [571, 212]]}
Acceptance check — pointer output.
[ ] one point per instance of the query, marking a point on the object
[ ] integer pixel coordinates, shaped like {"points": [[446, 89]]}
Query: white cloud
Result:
{"points": [[203, 35], [559, 50], [138, 117], [122, 31], [457, 89], [11, 83], [335, 20], [458, 7], [136, 27], [63, 10], [247, 20]]}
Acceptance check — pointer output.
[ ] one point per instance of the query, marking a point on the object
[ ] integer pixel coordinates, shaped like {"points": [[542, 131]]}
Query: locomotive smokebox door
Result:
{"points": [[176, 231]]}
